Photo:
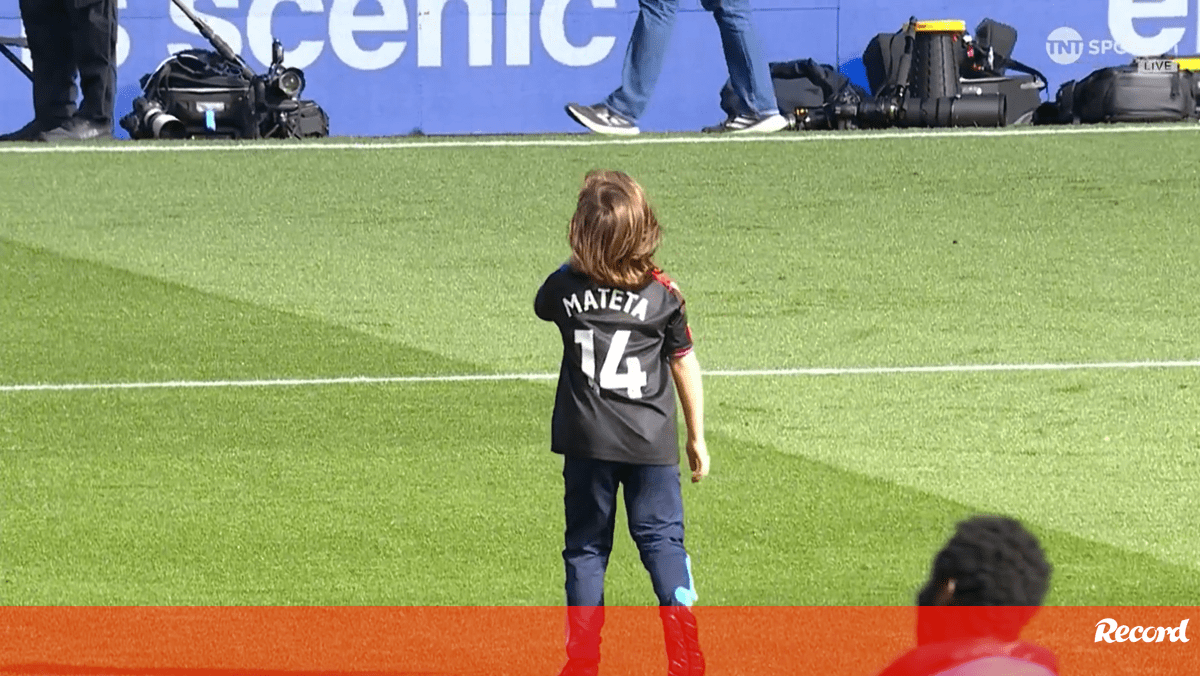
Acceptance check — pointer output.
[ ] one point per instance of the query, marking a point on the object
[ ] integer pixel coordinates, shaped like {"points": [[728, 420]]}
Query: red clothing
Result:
{"points": [[935, 658], [952, 636]]}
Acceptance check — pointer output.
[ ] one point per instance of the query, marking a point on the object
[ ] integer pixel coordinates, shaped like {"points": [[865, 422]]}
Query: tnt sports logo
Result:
{"points": [[1064, 45]]}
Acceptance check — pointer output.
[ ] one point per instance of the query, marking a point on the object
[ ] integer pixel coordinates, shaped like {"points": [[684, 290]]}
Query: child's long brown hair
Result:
{"points": [[614, 233]]}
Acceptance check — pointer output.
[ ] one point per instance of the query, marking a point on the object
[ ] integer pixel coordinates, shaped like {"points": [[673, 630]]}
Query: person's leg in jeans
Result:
{"points": [[590, 502], [644, 58], [654, 506], [749, 71]]}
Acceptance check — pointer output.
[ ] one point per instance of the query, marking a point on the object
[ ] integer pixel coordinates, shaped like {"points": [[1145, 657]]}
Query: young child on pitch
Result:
{"points": [[626, 350]]}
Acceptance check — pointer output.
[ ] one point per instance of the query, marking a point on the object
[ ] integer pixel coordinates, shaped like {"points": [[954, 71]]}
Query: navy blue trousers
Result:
{"points": [[654, 509]]}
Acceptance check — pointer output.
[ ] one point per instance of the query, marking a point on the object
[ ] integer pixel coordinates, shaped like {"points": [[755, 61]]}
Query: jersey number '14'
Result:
{"points": [[632, 380]]}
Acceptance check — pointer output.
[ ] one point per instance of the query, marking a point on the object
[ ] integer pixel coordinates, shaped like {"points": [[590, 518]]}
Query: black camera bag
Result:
{"points": [[213, 96], [207, 92], [308, 120], [1126, 94]]}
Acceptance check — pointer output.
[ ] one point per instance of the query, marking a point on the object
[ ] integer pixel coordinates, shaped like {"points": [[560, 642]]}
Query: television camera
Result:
{"points": [[199, 93]]}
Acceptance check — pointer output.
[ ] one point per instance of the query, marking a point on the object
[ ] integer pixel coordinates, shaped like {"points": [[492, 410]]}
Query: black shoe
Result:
{"points": [[602, 119], [745, 124], [78, 129], [30, 132]]}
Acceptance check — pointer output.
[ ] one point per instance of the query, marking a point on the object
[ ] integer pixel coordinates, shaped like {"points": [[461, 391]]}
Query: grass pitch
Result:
{"points": [[422, 259]]}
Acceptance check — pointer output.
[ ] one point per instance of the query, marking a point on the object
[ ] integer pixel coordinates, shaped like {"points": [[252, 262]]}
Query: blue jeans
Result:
{"points": [[654, 509], [748, 69]]}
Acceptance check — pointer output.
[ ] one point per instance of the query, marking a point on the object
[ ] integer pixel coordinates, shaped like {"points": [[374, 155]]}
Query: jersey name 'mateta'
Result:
{"points": [[615, 398], [613, 299]]}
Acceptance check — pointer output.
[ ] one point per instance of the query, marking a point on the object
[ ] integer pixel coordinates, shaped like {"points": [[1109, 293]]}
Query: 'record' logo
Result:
{"points": [[1109, 631]]}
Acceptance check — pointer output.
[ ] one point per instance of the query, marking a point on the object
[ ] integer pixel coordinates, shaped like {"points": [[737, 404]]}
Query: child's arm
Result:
{"points": [[541, 306], [686, 372]]}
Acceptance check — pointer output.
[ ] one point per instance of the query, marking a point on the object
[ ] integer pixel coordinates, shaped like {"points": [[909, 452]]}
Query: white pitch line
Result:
{"points": [[957, 368], [378, 380], [584, 140], [278, 382]]}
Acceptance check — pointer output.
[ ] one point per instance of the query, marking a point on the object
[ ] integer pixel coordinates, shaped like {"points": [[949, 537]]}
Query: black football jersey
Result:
{"points": [[615, 398]]}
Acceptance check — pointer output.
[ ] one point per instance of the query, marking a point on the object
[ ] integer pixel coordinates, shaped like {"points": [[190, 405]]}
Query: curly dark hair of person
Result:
{"points": [[992, 561]]}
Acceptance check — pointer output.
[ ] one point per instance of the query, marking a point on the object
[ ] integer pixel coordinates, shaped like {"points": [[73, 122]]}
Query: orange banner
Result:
{"points": [[525, 641]]}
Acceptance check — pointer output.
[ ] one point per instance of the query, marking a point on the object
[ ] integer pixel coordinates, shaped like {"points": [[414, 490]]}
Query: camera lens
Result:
{"points": [[290, 82]]}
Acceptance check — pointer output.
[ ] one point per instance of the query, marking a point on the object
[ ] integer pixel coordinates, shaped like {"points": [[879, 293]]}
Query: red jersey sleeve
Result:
{"points": [[677, 341]]}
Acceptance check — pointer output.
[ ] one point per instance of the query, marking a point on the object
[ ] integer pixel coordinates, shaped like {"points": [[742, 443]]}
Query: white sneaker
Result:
{"points": [[745, 124], [602, 120]]}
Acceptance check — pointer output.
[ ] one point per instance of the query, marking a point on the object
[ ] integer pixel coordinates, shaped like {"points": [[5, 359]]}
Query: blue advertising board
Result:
{"points": [[394, 67]]}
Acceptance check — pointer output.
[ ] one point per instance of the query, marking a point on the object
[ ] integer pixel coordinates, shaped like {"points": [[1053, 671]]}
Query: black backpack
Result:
{"points": [[881, 59]]}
